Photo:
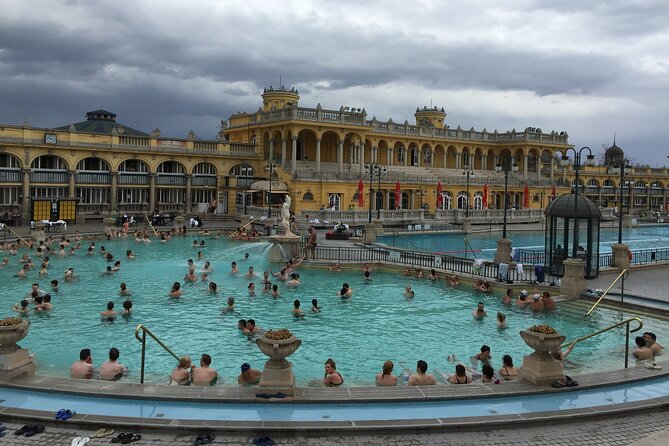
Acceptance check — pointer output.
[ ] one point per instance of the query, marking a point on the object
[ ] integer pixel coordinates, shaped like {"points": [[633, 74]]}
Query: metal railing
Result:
{"points": [[145, 331], [611, 327], [622, 276], [421, 259]]}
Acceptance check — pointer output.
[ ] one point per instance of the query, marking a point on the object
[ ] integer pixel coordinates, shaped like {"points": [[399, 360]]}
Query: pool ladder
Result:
{"points": [[145, 331], [610, 327]]}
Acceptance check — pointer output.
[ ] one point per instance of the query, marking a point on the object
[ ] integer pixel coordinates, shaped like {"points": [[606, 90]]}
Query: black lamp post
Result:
{"points": [[508, 165], [269, 167], [590, 161], [469, 174], [620, 168], [374, 169]]}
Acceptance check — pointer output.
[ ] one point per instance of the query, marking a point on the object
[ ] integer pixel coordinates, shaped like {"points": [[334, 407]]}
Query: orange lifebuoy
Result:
{"points": [[629, 255]]}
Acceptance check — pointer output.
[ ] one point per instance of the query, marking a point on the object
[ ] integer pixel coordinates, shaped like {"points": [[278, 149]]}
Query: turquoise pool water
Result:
{"points": [[376, 324], [484, 244]]}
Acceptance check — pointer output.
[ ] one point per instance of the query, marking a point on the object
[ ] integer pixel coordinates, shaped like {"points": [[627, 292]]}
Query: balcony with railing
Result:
{"points": [[10, 175], [92, 178], [139, 179], [163, 179], [198, 180], [49, 176]]}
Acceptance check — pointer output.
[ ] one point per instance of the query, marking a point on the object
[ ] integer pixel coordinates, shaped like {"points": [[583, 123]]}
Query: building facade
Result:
{"points": [[320, 157]]}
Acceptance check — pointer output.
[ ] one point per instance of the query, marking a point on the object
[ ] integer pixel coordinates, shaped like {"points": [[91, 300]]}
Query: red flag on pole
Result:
{"points": [[398, 198], [485, 196], [526, 197], [440, 198], [553, 194], [361, 196]]}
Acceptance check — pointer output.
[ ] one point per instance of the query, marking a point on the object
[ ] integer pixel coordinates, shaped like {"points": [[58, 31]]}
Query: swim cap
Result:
{"points": [[524, 293], [536, 297], [246, 366]]}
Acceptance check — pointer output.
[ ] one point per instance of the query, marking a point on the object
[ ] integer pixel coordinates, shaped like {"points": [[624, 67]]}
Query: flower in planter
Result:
{"points": [[543, 329]]}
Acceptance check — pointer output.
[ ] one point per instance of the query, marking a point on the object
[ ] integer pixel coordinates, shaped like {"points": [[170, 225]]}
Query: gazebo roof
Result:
{"points": [[563, 206]]}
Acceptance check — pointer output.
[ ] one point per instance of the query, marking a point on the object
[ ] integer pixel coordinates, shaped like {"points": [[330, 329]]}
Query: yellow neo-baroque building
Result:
{"points": [[318, 156]]}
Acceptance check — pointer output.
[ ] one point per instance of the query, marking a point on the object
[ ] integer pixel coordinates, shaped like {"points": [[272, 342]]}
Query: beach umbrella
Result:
{"points": [[361, 196], [526, 197], [485, 196], [398, 198], [553, 194], [440, 199]]}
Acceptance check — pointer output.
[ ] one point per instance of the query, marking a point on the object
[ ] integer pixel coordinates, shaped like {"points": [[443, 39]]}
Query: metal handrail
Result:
{"points": [[607, 290], [626, 321], [627, 334], [142, 339]]}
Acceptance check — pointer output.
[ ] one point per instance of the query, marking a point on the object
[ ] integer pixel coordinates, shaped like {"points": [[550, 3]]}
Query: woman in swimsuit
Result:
{"points": [[332, 377], [181, 375], [386, 377], [508, 371], [460, 376]]}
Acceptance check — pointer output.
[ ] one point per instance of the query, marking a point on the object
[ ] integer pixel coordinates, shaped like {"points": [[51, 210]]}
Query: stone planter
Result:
{"points": [[278, 372], [542, 343], [278, 351], [540, 367], [14, 360], [10, 335]]}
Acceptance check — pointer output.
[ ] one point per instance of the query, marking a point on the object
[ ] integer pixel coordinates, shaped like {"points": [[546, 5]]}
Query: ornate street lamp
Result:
{"points": [[620, 169], [269, 167], [374, 169], [468, 173], [507, 166], [590, 161]]}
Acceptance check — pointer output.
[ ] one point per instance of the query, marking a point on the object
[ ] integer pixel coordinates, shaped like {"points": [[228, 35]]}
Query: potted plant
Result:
{"points": [[543, 339], [278, 345]]}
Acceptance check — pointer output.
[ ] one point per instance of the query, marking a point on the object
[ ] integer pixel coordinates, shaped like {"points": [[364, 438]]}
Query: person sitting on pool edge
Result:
{"points": [[508, 371], [204, 375], [421, 377], [181, 375], [642, 352], [460, 376], [386, 377], [111, 370], [332, 377], [83, 369], [249, 376]]}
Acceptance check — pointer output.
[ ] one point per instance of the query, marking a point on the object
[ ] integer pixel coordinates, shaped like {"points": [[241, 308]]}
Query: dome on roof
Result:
{"points": [[613, 155], [563, 206]]}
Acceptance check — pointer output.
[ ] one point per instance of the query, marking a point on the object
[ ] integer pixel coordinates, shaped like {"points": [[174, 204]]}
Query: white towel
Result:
{"points": [[515, 254], [519, 269], [503, 271]]}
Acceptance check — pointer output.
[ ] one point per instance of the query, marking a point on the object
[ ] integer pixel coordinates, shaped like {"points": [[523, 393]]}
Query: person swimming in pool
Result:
{"points": [[176, 290], [109, 314], [346, 291]]}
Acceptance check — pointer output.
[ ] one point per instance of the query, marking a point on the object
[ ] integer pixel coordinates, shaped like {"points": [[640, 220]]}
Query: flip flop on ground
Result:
{"points": [[203, 439], [120, 437], [131, 439], [101, 433]]}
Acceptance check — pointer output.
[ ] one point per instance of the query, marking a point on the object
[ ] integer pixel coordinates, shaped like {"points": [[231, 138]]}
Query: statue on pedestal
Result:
{"points": [[285, 217]]}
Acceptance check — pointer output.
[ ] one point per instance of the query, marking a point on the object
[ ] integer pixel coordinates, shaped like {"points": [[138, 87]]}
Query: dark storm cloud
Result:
{"points": [[181, 66]]}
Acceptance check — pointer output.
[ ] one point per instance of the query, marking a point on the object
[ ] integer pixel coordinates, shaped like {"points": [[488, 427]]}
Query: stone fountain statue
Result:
{"points": [[285, 217], [286, 246]]}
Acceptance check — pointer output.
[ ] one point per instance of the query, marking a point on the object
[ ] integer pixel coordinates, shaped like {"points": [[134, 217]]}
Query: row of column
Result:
{"points": [[357, 156], [113, 200]]}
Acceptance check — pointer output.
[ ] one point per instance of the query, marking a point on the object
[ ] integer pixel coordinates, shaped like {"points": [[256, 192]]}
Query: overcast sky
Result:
{"points": [[589, 67]]}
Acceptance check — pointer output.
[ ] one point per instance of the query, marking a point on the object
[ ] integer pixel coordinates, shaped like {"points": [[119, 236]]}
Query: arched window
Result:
{"points": [[427, 156], [478, 200], [334, 200], [447, 200], [204, 169], [133, 166], [608, 183], [242, 170], [308, 197], [593, 183], [48, 162], [93, 164], [170, 167], [9, 161], [463, 201], [400, 154]]}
